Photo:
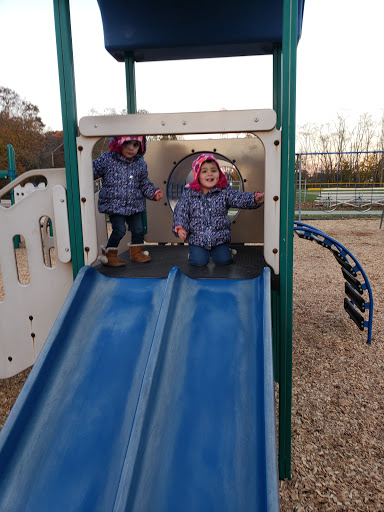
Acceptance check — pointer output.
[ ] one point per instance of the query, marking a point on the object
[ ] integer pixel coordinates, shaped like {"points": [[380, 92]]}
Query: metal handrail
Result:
{"points": [[328, 242]]}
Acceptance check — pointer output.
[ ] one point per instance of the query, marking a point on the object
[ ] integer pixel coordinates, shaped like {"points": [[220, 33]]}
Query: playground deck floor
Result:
{"points": [[249, 263]]}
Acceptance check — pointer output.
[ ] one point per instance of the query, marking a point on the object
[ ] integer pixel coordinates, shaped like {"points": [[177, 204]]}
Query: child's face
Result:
{"points": [[129, 149], [208, 176]]}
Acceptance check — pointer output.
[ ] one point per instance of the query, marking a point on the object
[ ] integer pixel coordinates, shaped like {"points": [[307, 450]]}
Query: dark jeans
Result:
{"points": [[221, 255], [135, 226]]}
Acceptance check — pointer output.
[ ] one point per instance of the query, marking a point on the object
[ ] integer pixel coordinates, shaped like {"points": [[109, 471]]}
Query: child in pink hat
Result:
{"points": [[125, 187], [201, 214]]}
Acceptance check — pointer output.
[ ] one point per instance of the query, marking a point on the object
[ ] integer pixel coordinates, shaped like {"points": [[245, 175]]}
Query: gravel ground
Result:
{"points": [[338, 380]]}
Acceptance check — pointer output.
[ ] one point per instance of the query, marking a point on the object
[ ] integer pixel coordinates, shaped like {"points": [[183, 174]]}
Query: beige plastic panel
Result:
{"points": [[28, 312], [233, 121], [258, 160], [248, 156]]}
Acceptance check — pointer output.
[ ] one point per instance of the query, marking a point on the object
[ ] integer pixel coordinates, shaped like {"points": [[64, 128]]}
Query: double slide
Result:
{"points": [[150, 395]]}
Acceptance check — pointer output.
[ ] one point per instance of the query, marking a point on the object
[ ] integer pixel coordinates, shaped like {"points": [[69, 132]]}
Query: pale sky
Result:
{"points": [[339, 66]]}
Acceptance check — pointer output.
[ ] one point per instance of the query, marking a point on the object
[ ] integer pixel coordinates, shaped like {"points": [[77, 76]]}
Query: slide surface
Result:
{"points": [[150, 395]]}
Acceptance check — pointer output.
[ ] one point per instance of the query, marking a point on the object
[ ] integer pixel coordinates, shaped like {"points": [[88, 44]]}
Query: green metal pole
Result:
{"points": [[11, 158], [130, 83], [277, 84], [275, 305], [130, 80], [290, 22], [12, 174], [69, 115]]}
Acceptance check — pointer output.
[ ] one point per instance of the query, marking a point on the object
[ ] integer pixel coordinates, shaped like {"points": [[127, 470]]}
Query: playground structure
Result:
{"points": [[350, 267], [171, 161], [68, 200], [346, 179]]}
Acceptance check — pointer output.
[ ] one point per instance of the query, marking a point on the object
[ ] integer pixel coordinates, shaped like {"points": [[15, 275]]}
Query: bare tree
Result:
{"points": [[341, 135], [380, 147]]}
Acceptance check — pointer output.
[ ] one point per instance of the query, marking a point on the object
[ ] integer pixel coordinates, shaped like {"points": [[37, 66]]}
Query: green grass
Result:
{"points": [[309, 196]]}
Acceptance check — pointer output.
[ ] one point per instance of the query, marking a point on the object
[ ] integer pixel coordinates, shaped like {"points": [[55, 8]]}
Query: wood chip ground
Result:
{"points": [[338, 380]]}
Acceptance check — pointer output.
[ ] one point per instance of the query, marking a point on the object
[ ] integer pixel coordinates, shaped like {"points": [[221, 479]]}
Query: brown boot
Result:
{"points": [[109, 257], [137, 254]]}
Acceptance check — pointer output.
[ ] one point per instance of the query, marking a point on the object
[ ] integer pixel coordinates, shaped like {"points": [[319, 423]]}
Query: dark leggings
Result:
{"points": [[135, 226]]}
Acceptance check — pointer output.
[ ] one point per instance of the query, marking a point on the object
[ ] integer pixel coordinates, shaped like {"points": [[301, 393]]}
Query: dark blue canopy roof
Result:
{"points": [[167, 30]]}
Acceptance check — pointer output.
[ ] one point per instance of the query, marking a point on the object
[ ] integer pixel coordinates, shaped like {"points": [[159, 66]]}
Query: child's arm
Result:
{"points": [[99, 167], [158, 195], [259, 197], [244, 200], [181, 217], [181, 232], [147, 187]]}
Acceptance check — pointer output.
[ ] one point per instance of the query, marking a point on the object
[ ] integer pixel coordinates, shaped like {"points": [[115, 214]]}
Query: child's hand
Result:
{"points": [[259, 197], [181, 233], [158, 195]]}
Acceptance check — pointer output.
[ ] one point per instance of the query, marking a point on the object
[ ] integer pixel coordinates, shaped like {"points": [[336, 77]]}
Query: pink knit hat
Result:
{"points": [[116, 143], [196, 168]]}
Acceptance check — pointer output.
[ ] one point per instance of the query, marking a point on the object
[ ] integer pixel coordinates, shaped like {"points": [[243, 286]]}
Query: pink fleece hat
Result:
{"points": [[116, 143], [196, 167]]}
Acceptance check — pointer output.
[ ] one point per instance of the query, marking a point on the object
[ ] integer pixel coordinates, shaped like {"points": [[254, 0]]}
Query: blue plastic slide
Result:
{"points": [[150, 395]]}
